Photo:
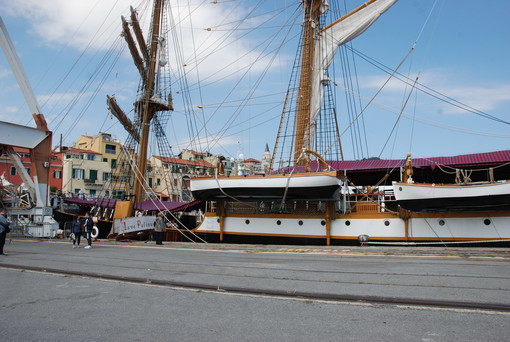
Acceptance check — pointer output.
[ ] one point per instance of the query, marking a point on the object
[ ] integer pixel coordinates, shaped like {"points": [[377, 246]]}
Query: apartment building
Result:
{"points": [[169, 178], [84, 172], [10, 174]]}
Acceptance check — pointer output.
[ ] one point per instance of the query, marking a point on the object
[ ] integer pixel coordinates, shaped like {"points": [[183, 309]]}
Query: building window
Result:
{"points": [[110, 148], [13, 171], [93, 175], [92, 193], [113, 163], [57, 174], [158, 181], [107, 176], [91, 156], [78, 173], [27, 170], [118, 194], [150, 182], [105, 160]]}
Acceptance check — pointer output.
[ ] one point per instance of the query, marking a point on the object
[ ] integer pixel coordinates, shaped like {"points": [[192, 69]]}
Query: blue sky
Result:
{"points": [[462, 53]]}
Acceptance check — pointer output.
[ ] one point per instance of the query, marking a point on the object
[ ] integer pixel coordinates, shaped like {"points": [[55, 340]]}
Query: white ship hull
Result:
{"points": [[446, 227], [422, 197], [312, 185]]}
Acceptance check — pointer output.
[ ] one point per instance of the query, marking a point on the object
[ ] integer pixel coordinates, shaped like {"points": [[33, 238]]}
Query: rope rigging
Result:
{"points": [[427, 90], [230, 122]]}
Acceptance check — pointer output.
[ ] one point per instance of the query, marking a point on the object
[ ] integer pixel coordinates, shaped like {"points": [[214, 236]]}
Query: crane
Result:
{"points": [[38, 141]]}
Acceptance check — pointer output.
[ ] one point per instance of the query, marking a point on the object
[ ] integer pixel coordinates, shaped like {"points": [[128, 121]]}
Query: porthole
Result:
{"points": [[486, 222], [278, 222], [441, 222], [386, 223], [347, 223], [323, 223], [247, 221], [218, 220], [399, 188], [300, 222]]}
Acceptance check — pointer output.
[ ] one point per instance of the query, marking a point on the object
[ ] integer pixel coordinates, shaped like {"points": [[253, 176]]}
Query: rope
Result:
{"points": [[145, 186], [374, 96], [224, 193]]}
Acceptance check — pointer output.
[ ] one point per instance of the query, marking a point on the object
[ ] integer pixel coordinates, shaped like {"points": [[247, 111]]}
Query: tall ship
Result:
{"points": [[307, 192], [315, 198]]}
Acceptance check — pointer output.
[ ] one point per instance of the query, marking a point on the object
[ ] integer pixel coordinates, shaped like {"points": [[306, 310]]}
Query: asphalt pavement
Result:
{"points": [[224, 292]]}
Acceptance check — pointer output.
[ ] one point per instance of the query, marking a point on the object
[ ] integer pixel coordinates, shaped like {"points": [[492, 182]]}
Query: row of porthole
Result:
{"points": [[386, 223], [485, 222], [300, 222], [348, 223]]}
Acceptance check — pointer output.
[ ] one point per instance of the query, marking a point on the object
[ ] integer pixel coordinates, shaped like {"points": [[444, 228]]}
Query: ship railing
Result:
{"points": [[276, 207], [370, 203]]}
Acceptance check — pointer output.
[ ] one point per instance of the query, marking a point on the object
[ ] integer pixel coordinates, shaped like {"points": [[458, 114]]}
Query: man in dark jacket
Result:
{"points": [[89, 224], [4, 229]]}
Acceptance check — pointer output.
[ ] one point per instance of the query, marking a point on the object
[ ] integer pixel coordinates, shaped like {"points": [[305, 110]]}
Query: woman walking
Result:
{"points": [[76, 231]]}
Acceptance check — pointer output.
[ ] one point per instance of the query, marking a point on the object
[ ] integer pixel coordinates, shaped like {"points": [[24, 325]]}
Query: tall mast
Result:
{"points": [[318, 51], [146, 105], [145, 57], [310, 28]]}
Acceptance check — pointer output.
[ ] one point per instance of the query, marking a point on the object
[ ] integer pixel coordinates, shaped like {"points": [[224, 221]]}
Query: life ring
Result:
{"points": [[95, 232]]}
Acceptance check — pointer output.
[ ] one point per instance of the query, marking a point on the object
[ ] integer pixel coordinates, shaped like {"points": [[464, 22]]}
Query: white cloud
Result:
{"points": [[6, 112], [209, 143], [4, 73], [61, 22], [17, 115], [60, 98], [483, 97], [95, 25]]}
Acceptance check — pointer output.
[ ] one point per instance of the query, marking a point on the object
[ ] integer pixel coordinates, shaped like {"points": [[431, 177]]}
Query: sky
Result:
{"points": [[460, 53]]}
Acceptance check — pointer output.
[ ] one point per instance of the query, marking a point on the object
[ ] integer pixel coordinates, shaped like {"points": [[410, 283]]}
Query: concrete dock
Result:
{"points": [[225, 292]]}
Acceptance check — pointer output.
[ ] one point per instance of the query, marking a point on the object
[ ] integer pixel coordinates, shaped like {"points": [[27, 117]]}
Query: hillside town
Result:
{"points": [[90, 169]]}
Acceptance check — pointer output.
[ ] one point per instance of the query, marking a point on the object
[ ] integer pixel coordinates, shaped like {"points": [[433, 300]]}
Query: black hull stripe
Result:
{"points": [[323, 192], [495, 202]]}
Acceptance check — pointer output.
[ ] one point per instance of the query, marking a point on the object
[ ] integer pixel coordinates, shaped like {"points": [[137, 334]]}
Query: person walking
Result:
{"points": [[76, 231], [159, 228], [89, 224], [4, 229]]}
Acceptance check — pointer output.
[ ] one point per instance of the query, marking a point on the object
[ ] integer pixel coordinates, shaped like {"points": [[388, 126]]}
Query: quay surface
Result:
{"points": [[226, 292]]}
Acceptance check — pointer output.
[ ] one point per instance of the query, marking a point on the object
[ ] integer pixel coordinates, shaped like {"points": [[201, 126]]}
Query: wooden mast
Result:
{"points": [[145, 57], [146, 110], [310, 27]]}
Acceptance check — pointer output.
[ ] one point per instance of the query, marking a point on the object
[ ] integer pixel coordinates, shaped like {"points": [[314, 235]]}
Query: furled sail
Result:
{"points": [[333, 36]]}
